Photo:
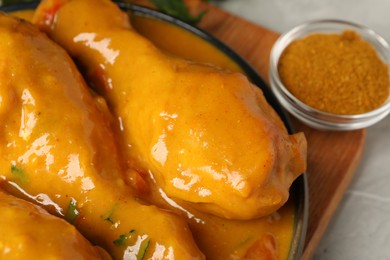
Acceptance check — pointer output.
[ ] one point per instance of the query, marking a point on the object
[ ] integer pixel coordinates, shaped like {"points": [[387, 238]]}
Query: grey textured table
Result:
{"points": [[360, 229]]}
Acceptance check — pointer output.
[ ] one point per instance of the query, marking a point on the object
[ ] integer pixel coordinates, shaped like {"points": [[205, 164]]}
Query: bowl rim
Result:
{"points": [[299, 188], [309, 113]]}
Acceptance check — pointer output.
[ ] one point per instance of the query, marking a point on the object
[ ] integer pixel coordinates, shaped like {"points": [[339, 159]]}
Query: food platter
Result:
{"points": [[299, 189]]}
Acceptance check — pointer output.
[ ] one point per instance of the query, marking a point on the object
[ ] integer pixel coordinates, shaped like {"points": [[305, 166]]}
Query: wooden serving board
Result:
{"points": [[332, 156]]}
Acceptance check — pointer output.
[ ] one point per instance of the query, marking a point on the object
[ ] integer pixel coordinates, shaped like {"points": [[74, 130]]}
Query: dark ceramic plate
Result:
{"points": [[299, 189]]}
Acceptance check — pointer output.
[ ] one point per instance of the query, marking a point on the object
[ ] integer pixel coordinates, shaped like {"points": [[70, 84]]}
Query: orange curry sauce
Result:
{"points": [[217, 238]]}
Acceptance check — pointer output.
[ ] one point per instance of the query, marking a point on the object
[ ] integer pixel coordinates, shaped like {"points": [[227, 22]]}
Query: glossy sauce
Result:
{"points": [[218, 238], [51, 152], [208, 135], [27, 230], [181, 43]]}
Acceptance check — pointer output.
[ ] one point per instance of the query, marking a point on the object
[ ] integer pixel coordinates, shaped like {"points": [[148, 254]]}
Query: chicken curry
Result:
{"points": [[160, 158]]}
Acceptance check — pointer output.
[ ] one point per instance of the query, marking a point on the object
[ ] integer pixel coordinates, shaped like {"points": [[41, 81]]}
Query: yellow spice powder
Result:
{"points": [[335, 73]]}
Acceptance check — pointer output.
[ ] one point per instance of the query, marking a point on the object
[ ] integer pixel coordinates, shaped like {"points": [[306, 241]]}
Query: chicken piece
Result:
{"points": [[29, 232], [208, 135], [57, 149]]}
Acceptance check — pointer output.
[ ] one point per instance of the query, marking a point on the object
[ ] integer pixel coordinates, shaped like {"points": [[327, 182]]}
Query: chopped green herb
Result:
{"points": [[143, 249], [109, 219], [72, 213], [18, 174], [121, 240], [178, 9], [123, 237], [109, 215]]}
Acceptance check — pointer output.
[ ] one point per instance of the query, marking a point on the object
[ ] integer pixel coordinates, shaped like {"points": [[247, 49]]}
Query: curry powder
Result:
{"points": [[335, 73]]}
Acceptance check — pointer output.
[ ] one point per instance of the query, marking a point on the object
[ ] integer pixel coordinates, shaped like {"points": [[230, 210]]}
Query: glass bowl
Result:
{"points": [[309, 115]]}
